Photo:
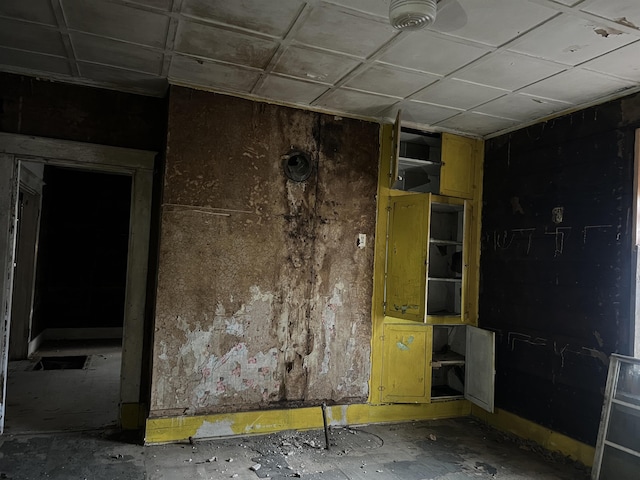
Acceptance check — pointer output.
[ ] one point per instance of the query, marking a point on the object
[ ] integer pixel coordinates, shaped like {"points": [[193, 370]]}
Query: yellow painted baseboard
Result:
{"points": [[174, 429], [552, 441]]}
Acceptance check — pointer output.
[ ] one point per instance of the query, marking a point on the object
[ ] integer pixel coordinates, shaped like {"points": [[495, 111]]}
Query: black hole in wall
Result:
{"points": [[297, 166], [289, 367], [76, 362]]}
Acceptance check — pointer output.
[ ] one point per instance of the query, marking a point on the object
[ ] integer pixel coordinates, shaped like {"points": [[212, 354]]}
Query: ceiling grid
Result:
{"points": [[482, 68]]}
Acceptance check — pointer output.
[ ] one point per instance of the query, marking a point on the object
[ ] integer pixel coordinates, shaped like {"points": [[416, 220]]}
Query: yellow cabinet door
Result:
{"points": [[406, 281], [406, 366], [457, 172]]}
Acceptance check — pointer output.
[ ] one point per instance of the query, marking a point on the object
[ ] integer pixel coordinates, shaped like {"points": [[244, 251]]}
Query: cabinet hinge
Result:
{"points": [[380, 388], [382, 337]]}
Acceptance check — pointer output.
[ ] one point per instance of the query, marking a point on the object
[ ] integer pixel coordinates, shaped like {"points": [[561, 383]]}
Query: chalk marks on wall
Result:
{"points": [[524, 238]]}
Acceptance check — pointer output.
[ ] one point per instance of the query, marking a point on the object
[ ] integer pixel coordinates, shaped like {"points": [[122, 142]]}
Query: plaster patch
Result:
{"points": [[221, 428], [234, 327], [329, 324]]}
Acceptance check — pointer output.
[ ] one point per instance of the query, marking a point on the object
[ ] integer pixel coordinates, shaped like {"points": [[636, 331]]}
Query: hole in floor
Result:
{"points": [[75, 362]]}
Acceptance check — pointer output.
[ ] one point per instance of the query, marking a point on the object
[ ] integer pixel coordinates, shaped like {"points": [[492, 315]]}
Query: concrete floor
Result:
{"points": [[453, 449], [63, 400]]}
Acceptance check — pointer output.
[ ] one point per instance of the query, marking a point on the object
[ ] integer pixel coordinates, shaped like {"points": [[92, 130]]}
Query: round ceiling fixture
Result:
{"points": [[297, 165], [412, 14]]}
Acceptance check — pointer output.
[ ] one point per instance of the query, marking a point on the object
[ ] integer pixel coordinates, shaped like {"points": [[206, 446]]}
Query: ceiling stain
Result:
{"points": [[625, 22], [605, 32]]}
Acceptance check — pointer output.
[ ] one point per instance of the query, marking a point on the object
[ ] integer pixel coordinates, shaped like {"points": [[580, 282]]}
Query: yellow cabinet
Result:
{"points": [[406, 371], [427, 259], [436, 163]]}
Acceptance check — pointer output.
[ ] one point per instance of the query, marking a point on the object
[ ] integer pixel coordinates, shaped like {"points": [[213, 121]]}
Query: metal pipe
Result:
{"points": [[324, 421]]}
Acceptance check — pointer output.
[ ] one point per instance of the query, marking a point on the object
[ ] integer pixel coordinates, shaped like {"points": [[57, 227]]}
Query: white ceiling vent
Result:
{"points": [[412, 14]]}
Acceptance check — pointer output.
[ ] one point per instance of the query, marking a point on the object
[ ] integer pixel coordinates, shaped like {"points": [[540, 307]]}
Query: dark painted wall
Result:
{"points": [[56, 110], [559, 294], [84, 239], [264, 295]]}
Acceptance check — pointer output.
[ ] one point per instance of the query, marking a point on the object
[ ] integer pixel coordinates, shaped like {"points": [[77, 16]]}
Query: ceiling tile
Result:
{"points": [[32, 11], [32, 37], [391, 81], [429, 53], [521, 107], [379, 8], [290, 90], [476, 123], [509, 71], [220, 44], [617, 63], [208, 74], [125, 79], [426, 114], [271, 17], [492, 22], [626, 12], [571, 40], [458, 94], [344, 100], [33, 61], [116, 21], [576, 86], [320, 66], [120, 54], [160, 4], [344, 31]]}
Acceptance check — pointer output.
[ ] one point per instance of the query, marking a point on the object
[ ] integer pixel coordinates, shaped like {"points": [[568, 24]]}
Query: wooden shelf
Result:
{"points": [[444, 359]]}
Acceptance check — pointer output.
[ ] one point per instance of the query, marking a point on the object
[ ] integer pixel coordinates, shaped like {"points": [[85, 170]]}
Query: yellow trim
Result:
{"points": [[173, 429], [553, 441]]}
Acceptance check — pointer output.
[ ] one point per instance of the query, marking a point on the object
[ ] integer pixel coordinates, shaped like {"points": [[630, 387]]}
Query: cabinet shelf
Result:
{"points": [[444, 359], [437, 241], [418, 162], [445, 279]]}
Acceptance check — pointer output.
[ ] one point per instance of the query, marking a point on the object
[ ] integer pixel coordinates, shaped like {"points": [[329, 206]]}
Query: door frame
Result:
{"points": [[137, 164]]}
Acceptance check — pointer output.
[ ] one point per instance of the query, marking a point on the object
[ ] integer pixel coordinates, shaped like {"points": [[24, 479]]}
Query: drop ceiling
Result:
{"points": [[484, 67]]}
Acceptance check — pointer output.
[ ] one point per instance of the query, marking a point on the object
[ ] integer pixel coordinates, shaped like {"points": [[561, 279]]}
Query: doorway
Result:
{"points": [[73, 313], [138, 166]]}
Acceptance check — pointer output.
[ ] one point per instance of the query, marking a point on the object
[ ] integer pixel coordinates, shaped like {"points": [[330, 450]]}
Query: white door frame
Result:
{"points": [[138, 164]]}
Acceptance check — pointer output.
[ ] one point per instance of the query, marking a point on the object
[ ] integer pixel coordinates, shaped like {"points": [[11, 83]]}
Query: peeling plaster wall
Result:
{"points": [[264, 296], [558, 293]]}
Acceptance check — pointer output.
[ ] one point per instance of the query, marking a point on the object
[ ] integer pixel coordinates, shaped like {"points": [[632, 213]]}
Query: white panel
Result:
{"points": [[425, 113], [509, 71], [314, 65], [477, 124], [32, 37], [391, 81], [120, 54], [289, 90], [38, 11], [522, 107], [620, 63], [271, 17], [218, 44], [379, 8], [344, 31], [493, 22], [623, 11], [458, 94], [127, 79], [480, 367], [571, 40], [343, 100], [208, 74], [429, 53], [116, 21], [34, 61], [577, 86]]}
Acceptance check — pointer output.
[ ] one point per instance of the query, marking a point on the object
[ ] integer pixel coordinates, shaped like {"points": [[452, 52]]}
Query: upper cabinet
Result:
{"points": [[432, 163]]}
